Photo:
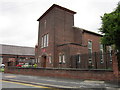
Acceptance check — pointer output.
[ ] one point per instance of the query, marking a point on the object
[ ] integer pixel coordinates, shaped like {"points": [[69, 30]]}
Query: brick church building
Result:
{"points": [[62, 45]]}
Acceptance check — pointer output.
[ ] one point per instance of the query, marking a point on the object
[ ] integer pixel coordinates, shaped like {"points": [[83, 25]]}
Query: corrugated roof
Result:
{"points": [[16, 50]]}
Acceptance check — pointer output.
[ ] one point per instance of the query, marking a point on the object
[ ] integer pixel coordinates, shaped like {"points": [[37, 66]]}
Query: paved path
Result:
{"points": [[61, 83]]}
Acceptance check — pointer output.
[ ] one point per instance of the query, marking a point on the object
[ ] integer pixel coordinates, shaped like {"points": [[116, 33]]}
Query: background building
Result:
{"points": [[62, 45], [13, 55]]}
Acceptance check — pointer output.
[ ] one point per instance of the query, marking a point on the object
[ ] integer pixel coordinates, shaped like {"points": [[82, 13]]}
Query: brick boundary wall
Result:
{"points": [[113, 75], [107, 75]]}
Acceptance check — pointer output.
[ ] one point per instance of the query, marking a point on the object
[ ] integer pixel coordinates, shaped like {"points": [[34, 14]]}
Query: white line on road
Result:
{"points": [[91, 81]]}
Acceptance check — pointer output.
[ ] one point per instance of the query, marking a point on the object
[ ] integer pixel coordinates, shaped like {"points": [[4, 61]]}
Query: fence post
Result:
{"points": [[95, 60], [106, 61]]}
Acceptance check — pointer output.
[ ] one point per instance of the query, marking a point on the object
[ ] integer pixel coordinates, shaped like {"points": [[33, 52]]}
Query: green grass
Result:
{"points": [[1, 69]]}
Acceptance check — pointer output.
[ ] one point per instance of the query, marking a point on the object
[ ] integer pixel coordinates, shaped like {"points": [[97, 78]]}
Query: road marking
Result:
{"points": [[10, 76], [91, 81], [60, 81], [110, 88], [51, 85], [25, 84]]}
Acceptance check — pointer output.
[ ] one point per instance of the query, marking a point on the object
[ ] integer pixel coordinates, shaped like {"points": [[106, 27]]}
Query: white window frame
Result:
{"points": [[110, 49], [101, 54], [79, 58], [47, 39], [60, 59], [50, 59], [39, 60], [90, 48], [36, 61], [42, 42], [63, 58]]}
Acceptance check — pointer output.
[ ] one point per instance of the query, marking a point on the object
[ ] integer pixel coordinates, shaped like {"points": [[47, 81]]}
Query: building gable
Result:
{"points": [[57, 6]]}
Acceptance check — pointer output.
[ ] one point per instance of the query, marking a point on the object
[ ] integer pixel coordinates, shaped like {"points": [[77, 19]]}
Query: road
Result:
{"points": [[48, 83]]}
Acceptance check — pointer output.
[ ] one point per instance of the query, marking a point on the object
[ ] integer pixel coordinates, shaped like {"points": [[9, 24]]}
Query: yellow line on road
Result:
{"points": [[25, 84], [51, 85]]}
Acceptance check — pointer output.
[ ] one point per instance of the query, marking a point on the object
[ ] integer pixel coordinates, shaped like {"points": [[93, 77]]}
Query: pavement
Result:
{"points": [[62, 83]]}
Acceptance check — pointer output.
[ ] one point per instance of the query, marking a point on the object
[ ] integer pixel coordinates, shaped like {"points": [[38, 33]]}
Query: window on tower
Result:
{"points": [[45, 40]]}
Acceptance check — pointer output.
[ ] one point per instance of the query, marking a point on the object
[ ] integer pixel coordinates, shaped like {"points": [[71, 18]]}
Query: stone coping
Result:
{"points": [[67, 69]]}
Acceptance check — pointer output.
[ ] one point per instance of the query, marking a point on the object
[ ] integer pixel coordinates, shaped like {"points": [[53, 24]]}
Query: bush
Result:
{"points": [[1, 69], [35, 65]]}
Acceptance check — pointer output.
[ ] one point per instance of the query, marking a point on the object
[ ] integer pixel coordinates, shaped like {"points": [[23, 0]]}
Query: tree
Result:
{"points": [[111, 30]]}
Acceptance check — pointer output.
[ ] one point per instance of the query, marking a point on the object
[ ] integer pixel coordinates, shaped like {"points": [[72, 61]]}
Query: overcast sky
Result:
{"points": [[18, 18]]}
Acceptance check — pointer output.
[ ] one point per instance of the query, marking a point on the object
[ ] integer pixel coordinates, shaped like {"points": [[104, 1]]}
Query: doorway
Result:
{"points": [[44, 58]]}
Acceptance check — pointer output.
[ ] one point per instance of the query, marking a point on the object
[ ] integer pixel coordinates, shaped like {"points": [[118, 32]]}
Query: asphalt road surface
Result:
{"points": [[26, 82]]}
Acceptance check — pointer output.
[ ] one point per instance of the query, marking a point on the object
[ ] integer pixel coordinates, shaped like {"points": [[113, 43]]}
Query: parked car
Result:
{"points": [[26, 65], [19, 65]]}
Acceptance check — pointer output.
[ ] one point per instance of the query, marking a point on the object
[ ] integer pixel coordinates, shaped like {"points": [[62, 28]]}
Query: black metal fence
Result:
{"points": [[95, 60]]}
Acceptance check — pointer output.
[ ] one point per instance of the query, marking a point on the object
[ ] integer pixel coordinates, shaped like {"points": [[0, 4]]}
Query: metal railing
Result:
{"points": [[95, 60]]}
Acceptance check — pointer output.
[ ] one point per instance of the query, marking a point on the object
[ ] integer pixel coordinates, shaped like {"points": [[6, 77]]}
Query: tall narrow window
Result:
{"points": [[42, 42], [110, 53], [63, 58], [47, 39], [101, 54], [39, 60], [79, 59], [36, 61], [60, 59], [50, 59], [90, 51], [45, 24]]}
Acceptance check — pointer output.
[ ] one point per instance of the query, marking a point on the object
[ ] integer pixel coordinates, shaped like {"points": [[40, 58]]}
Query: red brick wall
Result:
{"points": [[95, 41], [59, 26], [65, 73], [70, 73]]}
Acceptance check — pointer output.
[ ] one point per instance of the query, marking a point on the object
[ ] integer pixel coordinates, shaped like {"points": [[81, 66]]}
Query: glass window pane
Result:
{"points": [[78, 58], [63, 58], [60, 59], [47, 37], [101, 46], [50, 59], [44, 40], [89, 44]]}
